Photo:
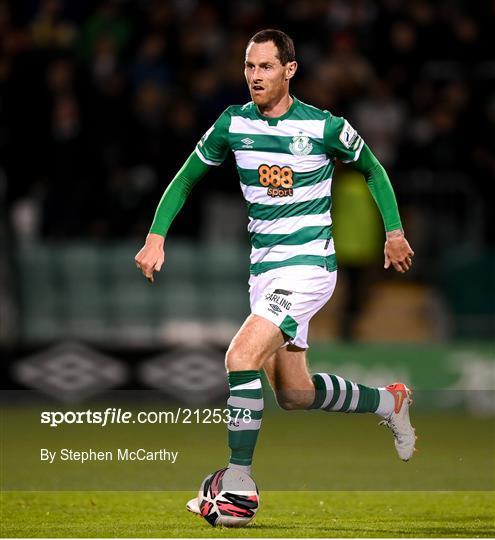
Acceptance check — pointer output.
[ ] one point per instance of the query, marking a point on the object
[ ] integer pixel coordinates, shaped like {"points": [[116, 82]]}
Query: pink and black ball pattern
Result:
{"points": [[238, 505], [219, 505], [211, 489]]}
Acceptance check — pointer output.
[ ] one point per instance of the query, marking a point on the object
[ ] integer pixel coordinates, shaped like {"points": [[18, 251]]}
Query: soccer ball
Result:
{"points": [[228, 497]]}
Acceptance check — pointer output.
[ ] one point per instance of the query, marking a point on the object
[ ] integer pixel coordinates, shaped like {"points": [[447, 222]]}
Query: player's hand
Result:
{"points": [[151, 256], [398, 252]]}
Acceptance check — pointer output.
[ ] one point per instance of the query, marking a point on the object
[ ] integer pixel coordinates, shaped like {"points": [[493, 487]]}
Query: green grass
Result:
{"points": [[447, 489], [282, 514], [322, 452]]}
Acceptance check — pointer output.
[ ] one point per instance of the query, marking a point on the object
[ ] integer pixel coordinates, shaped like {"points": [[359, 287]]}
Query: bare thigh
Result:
{"points": [[255, 342], [288, 373]]}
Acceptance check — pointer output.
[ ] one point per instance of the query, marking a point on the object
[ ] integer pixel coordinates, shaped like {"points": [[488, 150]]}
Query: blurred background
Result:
{"points": [[102, 101]]}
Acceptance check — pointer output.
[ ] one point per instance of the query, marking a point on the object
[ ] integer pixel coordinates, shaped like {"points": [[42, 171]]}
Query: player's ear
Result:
{"points": [[290, 70]]}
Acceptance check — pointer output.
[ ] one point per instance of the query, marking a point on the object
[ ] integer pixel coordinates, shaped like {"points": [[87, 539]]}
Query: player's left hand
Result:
{"points": [[398, 252]]}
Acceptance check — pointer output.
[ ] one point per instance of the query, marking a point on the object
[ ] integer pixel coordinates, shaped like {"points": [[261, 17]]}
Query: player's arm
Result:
{"points": [[210, 151], [343, 142], [397, 250], [151, 256]]}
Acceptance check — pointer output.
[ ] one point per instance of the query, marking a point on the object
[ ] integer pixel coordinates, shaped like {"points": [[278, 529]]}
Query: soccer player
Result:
{"points": [[285, 152]]}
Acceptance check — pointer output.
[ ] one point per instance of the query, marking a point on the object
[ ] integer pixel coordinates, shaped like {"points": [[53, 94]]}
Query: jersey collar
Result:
{"points": [[275, 120]]}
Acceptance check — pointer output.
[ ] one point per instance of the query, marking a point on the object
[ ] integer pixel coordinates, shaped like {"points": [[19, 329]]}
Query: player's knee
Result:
{"points": [[292, 401], [237, 359]]}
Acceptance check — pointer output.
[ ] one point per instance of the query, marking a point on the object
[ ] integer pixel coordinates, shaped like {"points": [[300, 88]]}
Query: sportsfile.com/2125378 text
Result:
{"points": [[113, 415]]}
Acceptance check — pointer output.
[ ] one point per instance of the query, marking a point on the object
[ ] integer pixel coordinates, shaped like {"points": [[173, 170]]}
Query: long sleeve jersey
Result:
{"points": [[285, 168]]}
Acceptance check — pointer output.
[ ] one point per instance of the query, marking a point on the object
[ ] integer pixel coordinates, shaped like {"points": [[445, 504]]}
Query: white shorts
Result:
{"points": [[290, 296]]}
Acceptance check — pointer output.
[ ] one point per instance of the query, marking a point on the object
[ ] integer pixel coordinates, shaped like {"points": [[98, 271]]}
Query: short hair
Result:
{"points": [[284, 43]]}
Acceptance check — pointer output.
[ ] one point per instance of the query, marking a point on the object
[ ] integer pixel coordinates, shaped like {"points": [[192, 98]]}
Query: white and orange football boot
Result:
{"points": [[398, 421]]}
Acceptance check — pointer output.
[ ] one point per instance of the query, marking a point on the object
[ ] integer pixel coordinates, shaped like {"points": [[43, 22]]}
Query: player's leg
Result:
{"points": [[297, 297], [295, 389], [256, 340], [290, 379]]}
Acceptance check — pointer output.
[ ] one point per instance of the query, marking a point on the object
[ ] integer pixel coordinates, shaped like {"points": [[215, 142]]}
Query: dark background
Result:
{"points": [[102, 101], [100, 104]]}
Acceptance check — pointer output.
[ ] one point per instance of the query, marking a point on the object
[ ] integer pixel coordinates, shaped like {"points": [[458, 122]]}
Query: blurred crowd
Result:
{"points": [[102, 101]]}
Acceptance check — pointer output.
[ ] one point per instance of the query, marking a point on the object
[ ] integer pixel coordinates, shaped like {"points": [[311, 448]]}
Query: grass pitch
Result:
{"points": [[282, 514], [298, 458], [296, 451]]}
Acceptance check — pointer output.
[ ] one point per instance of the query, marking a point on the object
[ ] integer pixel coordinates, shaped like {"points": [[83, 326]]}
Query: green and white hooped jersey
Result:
{"points": [[285, 167]]}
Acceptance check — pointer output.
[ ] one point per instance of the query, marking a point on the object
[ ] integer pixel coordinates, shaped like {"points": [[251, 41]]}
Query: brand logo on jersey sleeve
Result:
{"points": [[206, 135], [347, 135], [300, 145]]}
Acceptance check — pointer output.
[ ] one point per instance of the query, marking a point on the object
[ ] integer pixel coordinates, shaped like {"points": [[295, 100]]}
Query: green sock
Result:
{"points": [[246, 409], [333, 393]]}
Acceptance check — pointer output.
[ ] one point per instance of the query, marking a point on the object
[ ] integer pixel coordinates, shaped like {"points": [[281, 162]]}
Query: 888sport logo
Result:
{"points": [[279, 180]]}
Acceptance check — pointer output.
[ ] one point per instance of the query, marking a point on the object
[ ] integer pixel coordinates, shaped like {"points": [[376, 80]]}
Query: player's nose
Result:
{"points": [[257, 75]]}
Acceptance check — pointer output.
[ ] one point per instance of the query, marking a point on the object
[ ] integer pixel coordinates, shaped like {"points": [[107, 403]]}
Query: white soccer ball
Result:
{"points": [[228, 497]]}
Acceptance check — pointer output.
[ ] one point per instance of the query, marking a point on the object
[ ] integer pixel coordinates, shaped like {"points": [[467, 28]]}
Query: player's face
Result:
{"points": [[267, 78]]}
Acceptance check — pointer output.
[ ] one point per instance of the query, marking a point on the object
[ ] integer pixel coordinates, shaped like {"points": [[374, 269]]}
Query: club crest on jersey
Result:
{"points": [[300, 145]]}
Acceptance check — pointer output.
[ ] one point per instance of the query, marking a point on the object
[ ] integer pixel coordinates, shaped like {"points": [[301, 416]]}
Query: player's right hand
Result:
{"points": [[151, 256]]}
